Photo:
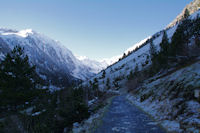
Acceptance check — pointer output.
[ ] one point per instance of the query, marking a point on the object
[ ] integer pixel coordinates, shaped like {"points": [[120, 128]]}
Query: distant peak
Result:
{"points": [[81, 57], [25, 33], [21, 33]]}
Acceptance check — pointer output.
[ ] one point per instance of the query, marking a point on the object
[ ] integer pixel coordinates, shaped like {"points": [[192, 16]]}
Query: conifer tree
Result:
{"points": [[176, 46], [18, 79], [163, 54], [95, 86], [130, 76], [124, 55], [186, 13], [103, 74], [152, 50], [165, 43], [108, 83], [180, 39], [136, 69]]}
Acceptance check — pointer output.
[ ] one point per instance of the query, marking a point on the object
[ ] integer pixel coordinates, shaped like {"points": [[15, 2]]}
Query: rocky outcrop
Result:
{"points": [[192, 8]]}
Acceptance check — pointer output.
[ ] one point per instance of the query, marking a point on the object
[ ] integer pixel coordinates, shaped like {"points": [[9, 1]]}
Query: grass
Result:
{"points": [[97, 122], [150, 116]]}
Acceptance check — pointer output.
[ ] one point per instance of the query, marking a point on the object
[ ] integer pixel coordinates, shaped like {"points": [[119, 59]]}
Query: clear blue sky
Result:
{"points": [[94, 28]]}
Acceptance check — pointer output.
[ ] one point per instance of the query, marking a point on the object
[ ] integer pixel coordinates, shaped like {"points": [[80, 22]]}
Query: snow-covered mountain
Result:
{"points": [[51, 57], [96, 65], [169, 94], [191, 7], [139, 53], [138, 57]]}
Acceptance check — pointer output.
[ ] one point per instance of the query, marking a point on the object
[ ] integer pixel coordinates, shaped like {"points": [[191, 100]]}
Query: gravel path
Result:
{"points": [[123, 117]]}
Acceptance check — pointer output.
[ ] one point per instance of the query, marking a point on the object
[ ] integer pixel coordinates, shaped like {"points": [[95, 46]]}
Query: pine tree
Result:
{"points": [[103, 74], [176, 46], [163, 54], [108, 83], [136, 69], [131, 75], [180, 39], [18, 79], [186, 13], [124, 55], [197, 31], [165, 43], [152, 50], [95, 86]]}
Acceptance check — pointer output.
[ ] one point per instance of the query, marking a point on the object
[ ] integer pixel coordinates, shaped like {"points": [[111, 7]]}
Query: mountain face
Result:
{"points": [[96, 65], [192, 8], [136, 56], [168, 95], [54, 62], [139, 54]]}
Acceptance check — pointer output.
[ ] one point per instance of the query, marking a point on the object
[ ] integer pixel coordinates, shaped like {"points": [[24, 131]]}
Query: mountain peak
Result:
{"points": [[192, 8], [25, 33], [21, 33]]}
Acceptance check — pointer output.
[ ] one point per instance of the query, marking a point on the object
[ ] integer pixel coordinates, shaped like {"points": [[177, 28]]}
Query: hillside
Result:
{"points": [[170, 99], [163, 83], [152, 87], [192, 8], [54, 62], [139, 55]]}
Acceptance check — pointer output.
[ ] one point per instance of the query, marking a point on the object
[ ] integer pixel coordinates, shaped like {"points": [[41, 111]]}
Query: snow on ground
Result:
{"points": [[53, 88], [49, 54], [22, 33], [140, 58], [170, 100], [2, 56]]}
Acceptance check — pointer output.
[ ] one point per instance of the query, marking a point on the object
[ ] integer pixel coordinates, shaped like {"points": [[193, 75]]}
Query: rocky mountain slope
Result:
{"points": [[192, 8], [137, 56], [54, 62], [170, 99], [169, 95]]}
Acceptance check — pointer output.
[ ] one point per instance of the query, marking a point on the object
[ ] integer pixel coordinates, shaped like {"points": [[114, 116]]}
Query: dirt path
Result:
{"points": [[123, 117]]}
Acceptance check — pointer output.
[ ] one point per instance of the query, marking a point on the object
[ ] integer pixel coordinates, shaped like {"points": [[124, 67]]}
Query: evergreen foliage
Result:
{"points": [[133, 73], [62, 109], [136, 70], [152, 49], [178, 49], [95, 86], [19, 82], [108, 83], [186, 13], [103, 74], [180, 39], [162, 55], [130, 76]]}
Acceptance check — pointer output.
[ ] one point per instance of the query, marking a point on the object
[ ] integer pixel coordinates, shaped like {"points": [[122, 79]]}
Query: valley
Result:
{"points": [[153, 87]]}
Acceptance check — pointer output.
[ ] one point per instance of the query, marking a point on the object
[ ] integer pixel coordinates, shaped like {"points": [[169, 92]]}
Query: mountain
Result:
{"points": [[96, 66], [192, 8], [139, 53], [54, 61], [168, 94]]}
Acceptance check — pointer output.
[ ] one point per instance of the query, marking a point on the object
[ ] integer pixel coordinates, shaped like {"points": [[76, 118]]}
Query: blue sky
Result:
{"points": [[94, 28]]}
